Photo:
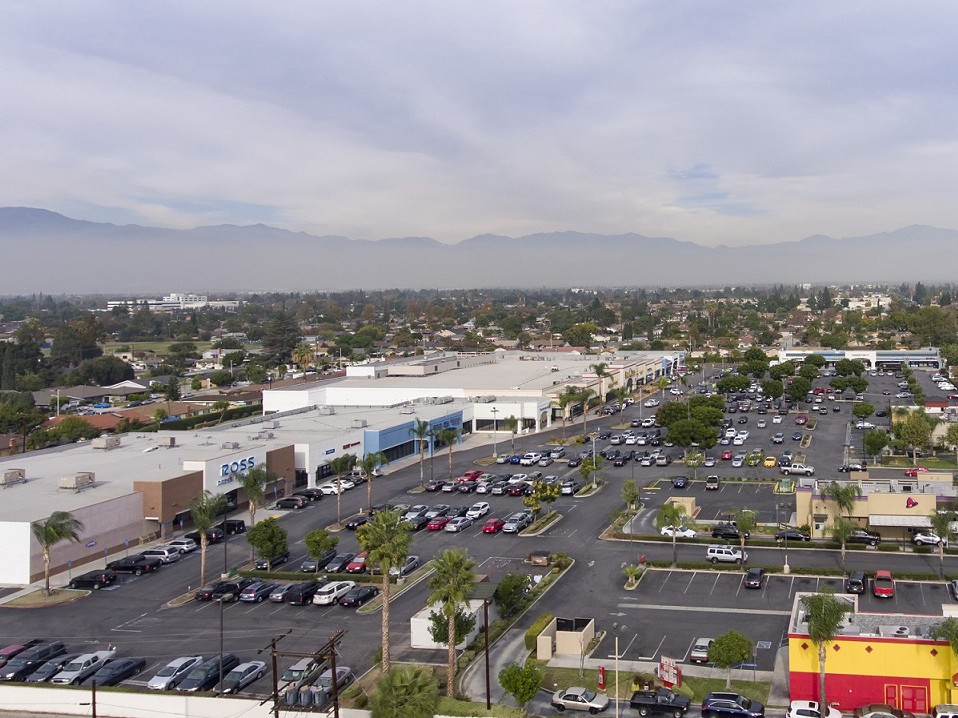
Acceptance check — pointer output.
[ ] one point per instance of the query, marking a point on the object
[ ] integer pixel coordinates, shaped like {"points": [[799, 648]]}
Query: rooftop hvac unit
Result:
{"points": [[79, 481], [407, 410], [894, 631], [230, 445], [271, 424], [326, 410], [13, 476], [447, 399], [167, 442], [360, 423], [105, 442], [487, 399]]}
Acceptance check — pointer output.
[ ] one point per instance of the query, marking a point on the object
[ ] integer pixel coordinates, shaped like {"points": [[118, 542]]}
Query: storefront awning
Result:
{"points": [[899, 521]]}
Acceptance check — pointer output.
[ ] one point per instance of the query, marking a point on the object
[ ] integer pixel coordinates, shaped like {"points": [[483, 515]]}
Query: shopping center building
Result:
{"points": [[893, 359]]}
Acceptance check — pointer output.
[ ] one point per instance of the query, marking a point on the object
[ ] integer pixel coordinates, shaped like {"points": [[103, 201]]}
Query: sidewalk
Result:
{"points": [[510, 648]]}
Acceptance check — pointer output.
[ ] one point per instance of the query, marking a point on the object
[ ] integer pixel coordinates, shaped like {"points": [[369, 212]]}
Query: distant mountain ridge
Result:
{"points": [[46, 251]]}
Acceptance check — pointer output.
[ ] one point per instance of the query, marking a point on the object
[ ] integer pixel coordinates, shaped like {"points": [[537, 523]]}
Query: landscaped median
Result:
{"points": [[542, 524], [40, 599], [416, 577]]}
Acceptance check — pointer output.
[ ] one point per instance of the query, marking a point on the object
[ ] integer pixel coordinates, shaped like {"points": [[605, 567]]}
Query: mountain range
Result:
{"points": [[44, 251]]}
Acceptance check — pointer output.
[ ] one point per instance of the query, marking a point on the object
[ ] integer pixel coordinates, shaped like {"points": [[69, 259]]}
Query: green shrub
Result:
{"points": [[536, 628], [923, 549], [888, 547]]}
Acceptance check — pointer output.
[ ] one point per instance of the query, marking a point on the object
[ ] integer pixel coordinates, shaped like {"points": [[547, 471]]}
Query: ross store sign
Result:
{"points": [[234, 467]]}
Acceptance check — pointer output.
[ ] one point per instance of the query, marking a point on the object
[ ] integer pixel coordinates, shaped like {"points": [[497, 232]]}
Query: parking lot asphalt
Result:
{"points": [[667, 611]]}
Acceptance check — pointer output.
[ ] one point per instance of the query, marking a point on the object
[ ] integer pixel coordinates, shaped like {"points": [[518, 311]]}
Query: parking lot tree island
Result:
{"points": [[825, 612], [268, 538], [405, 692], [729, 650], [671, 516], [320, 542], [451, 584]]}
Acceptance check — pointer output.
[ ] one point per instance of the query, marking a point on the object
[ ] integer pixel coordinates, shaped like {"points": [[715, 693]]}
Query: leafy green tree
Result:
{"points": [[589, 469], [438, 626], [848, 367], [451, 584], [542, 493], [421, 432], [874, 441], [59, 526], [693, 460], [320, 542], [387, 540], [947, 630], [732, 384], [630, 493], [405, 692], [746, 520], [915, 432], [221, 378], [781, 371], [863, 409], [826, 613], [102, 371], [268, 538], [941, 523], [951, 438], [510, 594], [521, 682], [672, 516], [689, 431], [204, 510], [773, 388], [729, 650], [815, 360], [807, 372], [281, 338], [222, 407], [798, 388], [254, 484], [754, 354]]}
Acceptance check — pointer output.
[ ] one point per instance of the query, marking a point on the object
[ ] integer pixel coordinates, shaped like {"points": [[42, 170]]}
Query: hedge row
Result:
{"points": [[538, 626]]}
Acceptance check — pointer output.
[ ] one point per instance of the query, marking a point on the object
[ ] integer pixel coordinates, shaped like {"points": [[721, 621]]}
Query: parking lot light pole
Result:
{"points": [[495, 428], [595, 464]]}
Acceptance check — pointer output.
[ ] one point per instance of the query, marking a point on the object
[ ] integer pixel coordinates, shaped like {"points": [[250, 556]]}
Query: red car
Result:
{"points": [[470, 475], [727, 455], [883, 585], [801, 419], [358, 564], [438, 523], [493, 526], [913, 472]]}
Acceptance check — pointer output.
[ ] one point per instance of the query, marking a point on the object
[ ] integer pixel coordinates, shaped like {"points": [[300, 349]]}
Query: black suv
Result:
{"points": [[855, 583], [862, 536], [731, 705], [263, 564], [22, 665], [231, 527], [315, 565], [137, 565], [726, 531]]}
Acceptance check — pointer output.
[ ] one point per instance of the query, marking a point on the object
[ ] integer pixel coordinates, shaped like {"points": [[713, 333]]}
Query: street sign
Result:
{"points": [[669, 672]]}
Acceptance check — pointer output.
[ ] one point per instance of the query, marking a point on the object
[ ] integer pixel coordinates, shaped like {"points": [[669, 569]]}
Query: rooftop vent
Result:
{"points": [[360, 423], [230, 445], [13, 476]]}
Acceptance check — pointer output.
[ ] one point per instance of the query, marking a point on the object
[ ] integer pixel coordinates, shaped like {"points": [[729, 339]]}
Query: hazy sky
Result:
{"points": [[716, 122]]}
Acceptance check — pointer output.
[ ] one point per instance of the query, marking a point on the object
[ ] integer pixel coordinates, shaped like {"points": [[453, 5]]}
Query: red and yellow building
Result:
{"points": [[878, 658]]}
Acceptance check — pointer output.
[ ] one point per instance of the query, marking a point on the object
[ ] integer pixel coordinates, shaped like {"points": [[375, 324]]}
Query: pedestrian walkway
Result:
{"points": [[510, 648]]}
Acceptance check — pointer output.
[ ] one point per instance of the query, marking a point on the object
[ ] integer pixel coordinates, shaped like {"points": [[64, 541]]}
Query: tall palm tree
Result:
{"points": [[844, 495], [841, 531], [387, 539], [422, 432], [661, 383], [59, 526], [370, 463], [825, 615], [303, 356], [584, 395], [673, 516], [512, 424], [339, 466], [204, 509], [600, 369], [254, 484], [449, 438], [566, 399], [941, 523], [451, 585]]}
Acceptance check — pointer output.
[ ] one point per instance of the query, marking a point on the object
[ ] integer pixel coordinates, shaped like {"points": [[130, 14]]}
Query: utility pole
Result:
{"points": [[328, 649]]}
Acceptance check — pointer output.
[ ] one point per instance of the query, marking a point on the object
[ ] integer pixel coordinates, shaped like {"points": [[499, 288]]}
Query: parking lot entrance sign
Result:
{"points": [[601, 678], [669, 673]]}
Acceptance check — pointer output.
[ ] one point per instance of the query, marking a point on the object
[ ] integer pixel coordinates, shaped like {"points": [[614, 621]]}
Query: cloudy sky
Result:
{"points": [[715, 122]]}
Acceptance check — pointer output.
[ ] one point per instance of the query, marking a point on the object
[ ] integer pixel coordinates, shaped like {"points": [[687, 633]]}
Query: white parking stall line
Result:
{"points": [[791, 587], [700, 609], [691, 579], [634, 636], [715, 583], [738, 589], [280, 607], [667, 577], [656, 651]]}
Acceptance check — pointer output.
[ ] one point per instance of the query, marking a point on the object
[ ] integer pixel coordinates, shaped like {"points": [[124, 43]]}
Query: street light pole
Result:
{"points": [[495, 429], [595, 463]]}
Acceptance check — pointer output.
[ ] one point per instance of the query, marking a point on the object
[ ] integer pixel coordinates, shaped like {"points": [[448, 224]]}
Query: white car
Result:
{"points": [[183, 545], [332, 592], [809, 709], [777, 419], [331, 488], [478, 510], [650, 403], [676, 392], [173, 672], [864, 425], [648, 423], [680, 532]]}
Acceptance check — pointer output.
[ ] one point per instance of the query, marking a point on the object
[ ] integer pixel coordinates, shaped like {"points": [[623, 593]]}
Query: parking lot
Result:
{"points": [[664, 615]]}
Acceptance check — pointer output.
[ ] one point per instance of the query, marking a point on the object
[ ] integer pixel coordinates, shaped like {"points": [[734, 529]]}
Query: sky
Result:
{"points": [[724, 122]]}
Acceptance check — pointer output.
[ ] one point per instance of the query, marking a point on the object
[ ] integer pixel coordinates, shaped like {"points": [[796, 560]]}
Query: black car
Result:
{"points": [[93, 579], [855, 583], [846, 468], [137, 565], [301, 594], [358, 596], [207, 592], [792, 535], [309, 494], [680, 482], [869, 538], [730, 705], [797, 436], [726, 531], [435, 485], [231, 527], [743, 420], [207, 674], [315, 565], [229, 591], [213, 535], [574, 461], [604, 435], [48, 670], [356, 521], [28, 661], [263, 564], [416, 523], [467, 487], [292, 502], [754, 577], [119, 669]]}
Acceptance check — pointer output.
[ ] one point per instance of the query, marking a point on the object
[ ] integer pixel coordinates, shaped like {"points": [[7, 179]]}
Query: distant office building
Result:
{"points": [[173, 302]]}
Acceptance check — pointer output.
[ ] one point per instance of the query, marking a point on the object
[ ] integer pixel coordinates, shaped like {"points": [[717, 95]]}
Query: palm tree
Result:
{"points": [[844, 496], [387, 539], [303, 356], [825, 616], [661, 383], [632, 573], [673, 516], [566, 399], [746, 521], [584, 395], [941, 523], [448, 437], [451, 585], [59, 526], [600, 369], [159, 416], [421, 432], [841, 531], [204, 509], [339, 466], [512, 424], [405, 692], [947, 630], [370, 464], [254, 486]]}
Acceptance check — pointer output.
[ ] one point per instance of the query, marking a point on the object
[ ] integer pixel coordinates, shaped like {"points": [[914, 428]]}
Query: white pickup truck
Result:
{"points": [[82, 667], [798, 469]]}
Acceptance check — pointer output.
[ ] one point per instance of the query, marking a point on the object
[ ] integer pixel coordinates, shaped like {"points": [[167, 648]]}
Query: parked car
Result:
{"points": [[311, 494], [855, 583], [302, 593], [810, 709], [315, 565], [478, 510], [263, 564], [754, 577], [883, 585], [93, 579], [358, 596], [232, 527], [578, 698], [183, 545], [257, 592], [730, 705], [240, 677], [570, 488], [927, 537], [680, 482], [728, 531], [213, 535], [292, 502], [881, 710], [170, 675], [354, 522], [700, 650], [460, 523], [206, 674], [21, 663], [114, 671], [661, 701], [438, 523], [725, 554], [339, 562], [50, 668], [712, 483], [680, 532], [871, 538], [517, 522], [358, 564], [137, 565], [409, 565], [792, 535], [493, 526], [166, 554], [82, 666], [435, 485]]}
